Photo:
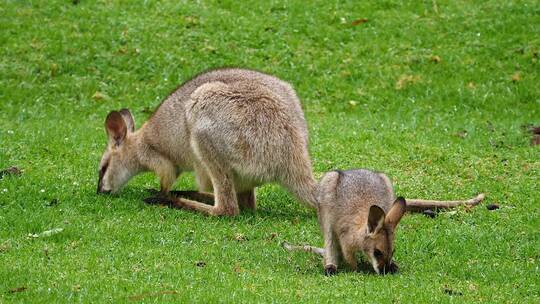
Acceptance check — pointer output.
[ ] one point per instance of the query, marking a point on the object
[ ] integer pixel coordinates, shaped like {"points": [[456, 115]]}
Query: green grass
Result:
{"points": [[374, 97]]}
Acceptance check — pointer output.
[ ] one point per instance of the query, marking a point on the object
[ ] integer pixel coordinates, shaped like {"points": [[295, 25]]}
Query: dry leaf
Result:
{"points": [[435, 59], [99, 96], [10, 171], [237, 268], [240, 237], [471, 85], [51, 232], [462, 134], [406, 80], [359, 21], [516, 77], [54, 69], [17, 289], [155, 294]]}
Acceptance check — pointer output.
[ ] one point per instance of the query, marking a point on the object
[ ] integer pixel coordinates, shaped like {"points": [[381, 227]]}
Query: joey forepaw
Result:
{"points": [[330, 270]]}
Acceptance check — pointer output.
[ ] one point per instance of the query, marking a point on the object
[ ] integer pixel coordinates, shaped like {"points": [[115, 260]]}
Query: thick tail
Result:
{"points": [[419, 205], [306, 248], [305, 191]]}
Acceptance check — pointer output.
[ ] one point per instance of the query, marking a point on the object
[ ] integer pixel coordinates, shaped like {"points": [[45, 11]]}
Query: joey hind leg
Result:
{"points": [[331, 257], [331, 246]]}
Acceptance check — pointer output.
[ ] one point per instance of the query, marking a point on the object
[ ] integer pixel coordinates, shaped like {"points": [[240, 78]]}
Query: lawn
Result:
{"points": [[437, 94]]}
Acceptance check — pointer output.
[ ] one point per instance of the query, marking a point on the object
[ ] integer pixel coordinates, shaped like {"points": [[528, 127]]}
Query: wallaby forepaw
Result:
{"points": [[393, 268], [330, 270]]}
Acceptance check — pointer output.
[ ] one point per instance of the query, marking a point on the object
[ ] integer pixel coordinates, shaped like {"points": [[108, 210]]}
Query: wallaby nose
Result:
{"points": [[101, 191]]}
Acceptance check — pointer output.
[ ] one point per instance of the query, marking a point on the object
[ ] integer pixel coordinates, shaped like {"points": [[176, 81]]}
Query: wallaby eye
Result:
{"points": [[378, 254]]}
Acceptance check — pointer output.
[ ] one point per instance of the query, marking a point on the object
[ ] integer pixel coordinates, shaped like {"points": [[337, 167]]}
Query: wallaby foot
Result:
{"points": [[207, 209], [203, 197], [177, 200]]}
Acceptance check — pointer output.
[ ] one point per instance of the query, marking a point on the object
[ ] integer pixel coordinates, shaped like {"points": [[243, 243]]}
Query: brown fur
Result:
{"points": [[236, 128], [358, 212]]}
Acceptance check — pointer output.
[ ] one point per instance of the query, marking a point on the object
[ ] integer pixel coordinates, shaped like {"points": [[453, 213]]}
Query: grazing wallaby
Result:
{"points": [[235, 128], [358, 213]]}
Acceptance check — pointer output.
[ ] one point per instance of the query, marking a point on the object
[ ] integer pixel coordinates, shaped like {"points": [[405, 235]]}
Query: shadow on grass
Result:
{"points": [[151, 198]]}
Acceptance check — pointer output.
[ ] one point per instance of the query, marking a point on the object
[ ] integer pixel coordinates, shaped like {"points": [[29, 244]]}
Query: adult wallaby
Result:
{"points": [[236, 128], [358, 213]]}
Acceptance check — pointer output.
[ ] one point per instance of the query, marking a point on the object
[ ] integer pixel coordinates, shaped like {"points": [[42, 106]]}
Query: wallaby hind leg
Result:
{"points": [[203, 197], [225, 200], [246, 199], [224, 194]]}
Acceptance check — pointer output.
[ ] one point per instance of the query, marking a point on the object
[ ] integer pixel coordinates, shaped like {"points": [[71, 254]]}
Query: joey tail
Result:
{"points": [[419, 205], [306, 248]]}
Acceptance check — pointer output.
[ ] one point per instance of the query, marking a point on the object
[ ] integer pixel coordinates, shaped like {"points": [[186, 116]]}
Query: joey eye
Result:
{"points": [[378, 254]]}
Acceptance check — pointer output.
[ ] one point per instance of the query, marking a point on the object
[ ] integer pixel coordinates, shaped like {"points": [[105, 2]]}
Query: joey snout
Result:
{"points": [[101, 191], [390, 268]]}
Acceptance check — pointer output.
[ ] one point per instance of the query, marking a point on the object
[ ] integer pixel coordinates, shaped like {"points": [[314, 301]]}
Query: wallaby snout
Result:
{"points": [[101, 191]]}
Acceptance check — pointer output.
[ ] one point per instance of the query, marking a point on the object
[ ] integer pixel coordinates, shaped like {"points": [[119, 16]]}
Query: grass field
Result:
{"points": [[435, 93]]}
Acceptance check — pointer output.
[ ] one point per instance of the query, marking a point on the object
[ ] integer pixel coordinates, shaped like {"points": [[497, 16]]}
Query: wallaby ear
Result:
{"points": [[128, 118], [116, 127], [375, 219], [396, 213]]}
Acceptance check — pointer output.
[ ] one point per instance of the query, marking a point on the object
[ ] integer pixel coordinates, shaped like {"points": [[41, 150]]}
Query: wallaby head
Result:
{"points": [[377, 238], [119, 161]]}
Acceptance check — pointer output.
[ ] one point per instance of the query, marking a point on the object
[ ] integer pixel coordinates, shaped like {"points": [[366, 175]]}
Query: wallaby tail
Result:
{"points": [[305, 191], [419, 205], [306, 248]]}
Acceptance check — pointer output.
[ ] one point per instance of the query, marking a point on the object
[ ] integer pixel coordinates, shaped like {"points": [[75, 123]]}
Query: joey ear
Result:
{"points": [[375, 219], [128, 118], [395, 213], [116, 127]]}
